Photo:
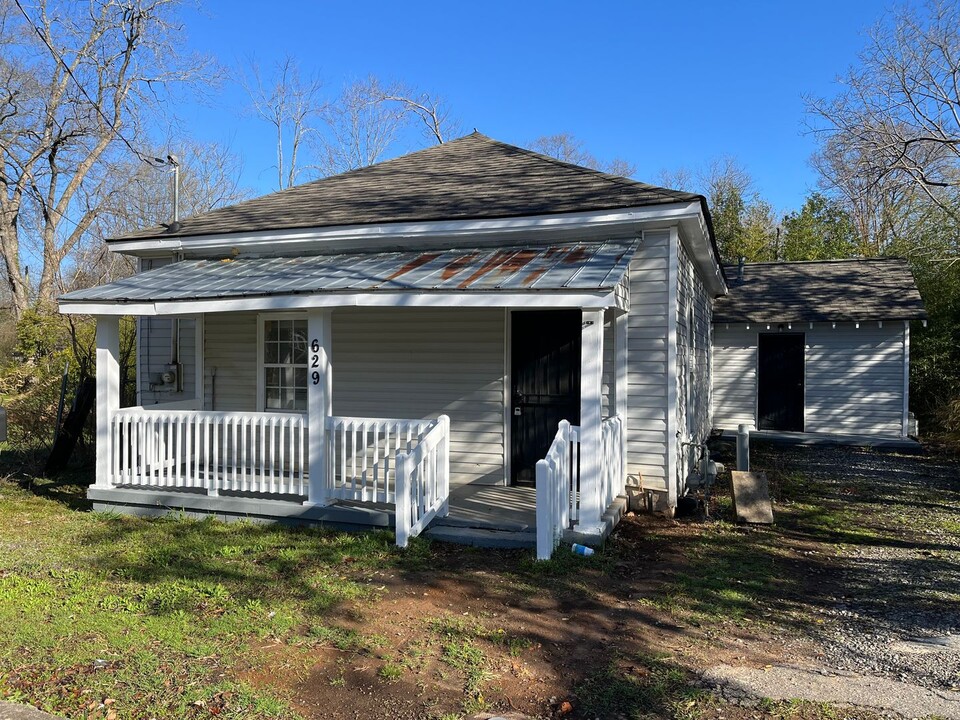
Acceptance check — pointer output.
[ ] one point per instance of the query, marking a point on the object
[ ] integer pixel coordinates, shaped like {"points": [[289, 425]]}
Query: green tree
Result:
{"points": [[821, 230]]}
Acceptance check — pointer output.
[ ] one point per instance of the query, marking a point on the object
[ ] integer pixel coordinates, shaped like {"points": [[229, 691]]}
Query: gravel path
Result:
{"points": [[894, 605]]}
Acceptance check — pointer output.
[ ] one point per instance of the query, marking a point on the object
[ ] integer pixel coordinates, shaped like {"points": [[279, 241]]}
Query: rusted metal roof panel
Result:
{"points": [[594, 266]]}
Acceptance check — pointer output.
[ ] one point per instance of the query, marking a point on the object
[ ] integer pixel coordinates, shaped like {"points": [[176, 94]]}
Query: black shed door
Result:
{"points": [[780, 382], [545, 372]]}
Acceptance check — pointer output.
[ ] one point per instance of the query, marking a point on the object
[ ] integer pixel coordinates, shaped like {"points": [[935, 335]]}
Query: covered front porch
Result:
{"points": [[291, 408]]}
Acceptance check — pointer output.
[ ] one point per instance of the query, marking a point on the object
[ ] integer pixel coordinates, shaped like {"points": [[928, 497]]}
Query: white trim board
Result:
{"points": [[551, 300]]}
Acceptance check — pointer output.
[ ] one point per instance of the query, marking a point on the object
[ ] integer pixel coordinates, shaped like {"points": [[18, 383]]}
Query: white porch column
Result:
{"points": [[108, 391], [620, 382], [319, 401], [591, 369]]}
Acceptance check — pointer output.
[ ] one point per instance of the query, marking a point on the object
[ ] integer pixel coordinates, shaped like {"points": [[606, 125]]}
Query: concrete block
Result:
{"points": [[751, 497]]}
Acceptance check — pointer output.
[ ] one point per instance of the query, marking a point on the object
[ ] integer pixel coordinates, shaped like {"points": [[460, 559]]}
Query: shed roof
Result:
{"points": [[473, 177], [590, 267], [821, 290]]}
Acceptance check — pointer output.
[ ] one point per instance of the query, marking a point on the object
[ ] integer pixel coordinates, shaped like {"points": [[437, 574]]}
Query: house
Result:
{"points": [[387, 345], [816, 347]]}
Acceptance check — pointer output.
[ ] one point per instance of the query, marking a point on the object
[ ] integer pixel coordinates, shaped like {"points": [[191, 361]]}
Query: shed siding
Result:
{"points": [[854, 380], [403, 363], [647, 362], [853, 383], [734, 376]]}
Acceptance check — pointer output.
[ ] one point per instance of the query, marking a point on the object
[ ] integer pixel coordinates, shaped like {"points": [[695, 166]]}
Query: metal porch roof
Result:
{"points": [[589, 267]]}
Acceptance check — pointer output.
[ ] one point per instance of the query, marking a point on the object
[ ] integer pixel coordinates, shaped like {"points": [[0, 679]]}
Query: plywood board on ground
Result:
{"points": [[751, 497]]}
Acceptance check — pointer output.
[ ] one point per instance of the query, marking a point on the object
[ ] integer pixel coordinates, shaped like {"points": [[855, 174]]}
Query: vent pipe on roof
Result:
{"points": [[740, 269]]}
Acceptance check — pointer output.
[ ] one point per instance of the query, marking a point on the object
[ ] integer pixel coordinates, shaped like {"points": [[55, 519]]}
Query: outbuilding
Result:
{"points": [[816, 347]]}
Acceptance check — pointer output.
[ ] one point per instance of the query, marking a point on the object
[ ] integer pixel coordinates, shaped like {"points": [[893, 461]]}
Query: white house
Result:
{"points": [[387, 345], [816, 347]]}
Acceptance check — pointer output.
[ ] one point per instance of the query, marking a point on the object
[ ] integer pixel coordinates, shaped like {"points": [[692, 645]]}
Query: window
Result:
{"points": [[284, 366]]}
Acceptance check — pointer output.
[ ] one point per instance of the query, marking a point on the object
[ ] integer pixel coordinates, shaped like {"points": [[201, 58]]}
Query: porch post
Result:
{"points": [[319, 401], [591, 367], [108, 391], [620, 384]]}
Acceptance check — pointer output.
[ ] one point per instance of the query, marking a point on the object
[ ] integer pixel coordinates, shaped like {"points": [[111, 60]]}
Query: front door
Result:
{"points": [[780, 382], [545, 372]]}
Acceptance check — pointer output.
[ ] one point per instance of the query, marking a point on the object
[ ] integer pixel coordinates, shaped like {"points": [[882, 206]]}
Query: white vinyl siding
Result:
{"points": [[647, 362], [694, 317], [853, 377], [392, 363], [421, 363], [734, 376], [154, 352]]}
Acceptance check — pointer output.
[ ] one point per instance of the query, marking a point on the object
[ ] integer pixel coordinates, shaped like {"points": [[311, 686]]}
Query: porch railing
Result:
{"points": [[362, 456], [423, 481], [213, 451], [555, 491], [612, 480], [558, 480]]}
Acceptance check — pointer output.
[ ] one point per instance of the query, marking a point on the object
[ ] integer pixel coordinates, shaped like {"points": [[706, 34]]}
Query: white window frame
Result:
{"points": [[262, 319]]}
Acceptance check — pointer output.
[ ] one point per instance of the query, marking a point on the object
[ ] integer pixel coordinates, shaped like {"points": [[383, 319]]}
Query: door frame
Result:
{"points": [[506, 481], [803, 404]]}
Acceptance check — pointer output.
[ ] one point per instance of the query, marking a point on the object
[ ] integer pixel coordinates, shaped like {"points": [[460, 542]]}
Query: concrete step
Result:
{"points": [[481, 537], [466, 522]]}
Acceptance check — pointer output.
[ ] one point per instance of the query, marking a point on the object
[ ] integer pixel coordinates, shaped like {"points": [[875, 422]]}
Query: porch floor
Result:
{"points": [[507, 507]]}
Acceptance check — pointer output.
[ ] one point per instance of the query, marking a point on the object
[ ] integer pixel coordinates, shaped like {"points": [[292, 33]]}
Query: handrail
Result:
{"points": [[423, 481]]}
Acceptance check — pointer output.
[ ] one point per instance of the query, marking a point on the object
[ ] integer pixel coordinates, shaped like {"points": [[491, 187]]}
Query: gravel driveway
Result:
{"points": [[894, 593]]}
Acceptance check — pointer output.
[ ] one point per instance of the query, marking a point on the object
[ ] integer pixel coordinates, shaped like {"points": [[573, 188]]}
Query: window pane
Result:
{"points": [[300, 379], [272, 377], [301, 403], [300, 347], [273, 399], [286, 330], [271, 331], [271, 353]]}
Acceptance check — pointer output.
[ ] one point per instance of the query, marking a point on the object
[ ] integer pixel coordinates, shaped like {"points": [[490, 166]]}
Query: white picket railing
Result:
{"points": [[559, 481], [213, 451], [612, 479], [555, 493], [361, 453], [423, 481]]}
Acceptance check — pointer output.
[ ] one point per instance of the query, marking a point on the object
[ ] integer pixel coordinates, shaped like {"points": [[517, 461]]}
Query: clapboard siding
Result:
{"points": [[392, 363], [694, 308], [647, 362], [734, 376], [154, 352], [413, 363], [230, 362], [853, 378]]}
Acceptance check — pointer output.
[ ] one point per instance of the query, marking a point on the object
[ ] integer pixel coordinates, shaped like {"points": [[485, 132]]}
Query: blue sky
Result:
{"points": [[662, 85]]}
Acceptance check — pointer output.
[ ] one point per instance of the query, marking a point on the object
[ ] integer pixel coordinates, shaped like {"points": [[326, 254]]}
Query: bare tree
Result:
{"points": [[74, 81], [897, 122], [368, 118], [142, 195], [291, 104], [567, 148]]}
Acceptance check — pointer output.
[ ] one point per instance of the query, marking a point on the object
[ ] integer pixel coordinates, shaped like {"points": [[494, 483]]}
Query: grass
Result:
{"points": [[150, 612]]}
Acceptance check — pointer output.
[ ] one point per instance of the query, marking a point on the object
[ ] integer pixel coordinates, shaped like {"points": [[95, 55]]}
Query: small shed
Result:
{"points": [[816, 347]]}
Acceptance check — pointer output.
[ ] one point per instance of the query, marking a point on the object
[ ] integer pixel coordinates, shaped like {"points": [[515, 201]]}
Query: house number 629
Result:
{"points": [[315, 361]]}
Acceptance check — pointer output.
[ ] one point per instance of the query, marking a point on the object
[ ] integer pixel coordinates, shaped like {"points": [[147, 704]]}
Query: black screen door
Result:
{"points": [[780, 382], [545, 373]]}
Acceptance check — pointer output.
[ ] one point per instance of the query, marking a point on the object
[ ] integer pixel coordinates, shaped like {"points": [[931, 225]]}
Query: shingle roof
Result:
{"points": [[586, 267], [830, 290], [474, 177]]}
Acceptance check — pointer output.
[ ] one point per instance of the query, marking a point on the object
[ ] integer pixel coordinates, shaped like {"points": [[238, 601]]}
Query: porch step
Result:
{"points": [[480, 534]]}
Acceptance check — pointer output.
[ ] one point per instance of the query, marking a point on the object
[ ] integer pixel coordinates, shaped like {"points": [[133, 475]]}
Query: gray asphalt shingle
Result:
{"points": [[829, 290], [473, 177]]}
